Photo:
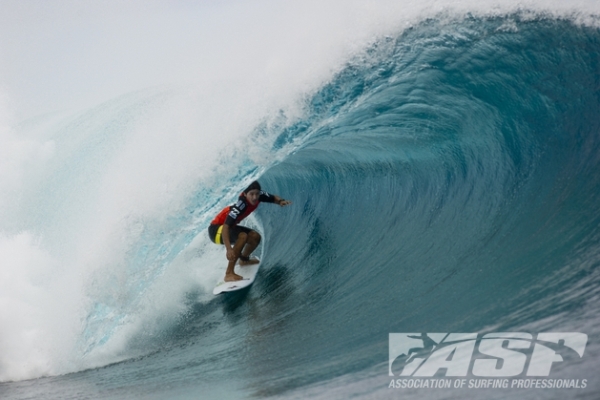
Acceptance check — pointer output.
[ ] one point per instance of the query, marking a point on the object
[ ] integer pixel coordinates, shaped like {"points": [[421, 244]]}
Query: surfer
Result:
{"points": [[240, 241]]}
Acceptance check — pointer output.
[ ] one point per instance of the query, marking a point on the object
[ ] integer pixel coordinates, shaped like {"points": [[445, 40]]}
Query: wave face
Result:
{"points": [[446, 180], [450, 183]]}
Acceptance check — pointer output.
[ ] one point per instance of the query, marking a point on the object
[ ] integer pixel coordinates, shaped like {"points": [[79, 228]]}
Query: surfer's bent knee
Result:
{"points": [[254, 236]]}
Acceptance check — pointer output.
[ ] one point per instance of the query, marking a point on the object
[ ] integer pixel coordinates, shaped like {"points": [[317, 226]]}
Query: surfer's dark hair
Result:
{"points": [[252, 186]]}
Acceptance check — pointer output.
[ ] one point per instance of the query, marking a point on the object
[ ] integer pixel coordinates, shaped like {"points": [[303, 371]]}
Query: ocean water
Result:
{"points": [[444, 169]]}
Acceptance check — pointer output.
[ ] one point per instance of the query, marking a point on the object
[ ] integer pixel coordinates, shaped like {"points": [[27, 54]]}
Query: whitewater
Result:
{"points": [[442, 157]]}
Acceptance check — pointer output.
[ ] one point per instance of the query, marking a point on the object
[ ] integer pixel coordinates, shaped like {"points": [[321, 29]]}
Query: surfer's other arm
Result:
{"points": [[227, 242], [281, 202]]}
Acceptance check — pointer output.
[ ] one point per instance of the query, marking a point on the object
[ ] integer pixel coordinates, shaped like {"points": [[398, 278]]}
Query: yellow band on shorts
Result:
{"points": [[218, 235]]}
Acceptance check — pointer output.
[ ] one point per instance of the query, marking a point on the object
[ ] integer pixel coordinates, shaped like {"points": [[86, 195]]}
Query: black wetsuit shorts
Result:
{"points": [[214, 233]]}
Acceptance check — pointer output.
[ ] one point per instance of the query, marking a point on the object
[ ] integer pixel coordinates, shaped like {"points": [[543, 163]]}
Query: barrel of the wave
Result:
{"points": [[240, 241]]}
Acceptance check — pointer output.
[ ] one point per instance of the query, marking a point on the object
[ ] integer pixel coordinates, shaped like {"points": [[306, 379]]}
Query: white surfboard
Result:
{"points": [[248, 273]]}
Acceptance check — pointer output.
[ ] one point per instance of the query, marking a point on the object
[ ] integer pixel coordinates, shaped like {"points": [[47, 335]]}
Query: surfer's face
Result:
{"points": [[253, 196]]}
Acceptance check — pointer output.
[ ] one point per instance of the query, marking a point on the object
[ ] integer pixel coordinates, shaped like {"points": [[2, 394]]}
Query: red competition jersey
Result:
{"points": [[233, 215]]}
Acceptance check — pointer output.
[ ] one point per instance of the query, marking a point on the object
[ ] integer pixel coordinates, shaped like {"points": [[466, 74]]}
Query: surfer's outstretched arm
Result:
{"points": [[282, 202]]}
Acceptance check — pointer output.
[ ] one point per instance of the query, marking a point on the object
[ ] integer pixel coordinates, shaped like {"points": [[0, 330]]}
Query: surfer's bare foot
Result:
{"points": [[232, 277], [250, 261]]}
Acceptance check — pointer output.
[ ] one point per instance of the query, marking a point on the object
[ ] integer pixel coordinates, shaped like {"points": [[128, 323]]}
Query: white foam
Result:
{"points": [[38, 310]]}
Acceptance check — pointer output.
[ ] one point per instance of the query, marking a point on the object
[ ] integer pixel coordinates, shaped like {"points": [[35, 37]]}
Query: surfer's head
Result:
{"points": [[253, 186], [252, 192]]}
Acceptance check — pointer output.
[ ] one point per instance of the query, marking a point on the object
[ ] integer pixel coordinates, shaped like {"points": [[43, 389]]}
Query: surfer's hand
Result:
{"points": [[231, 256], [284, 203]]}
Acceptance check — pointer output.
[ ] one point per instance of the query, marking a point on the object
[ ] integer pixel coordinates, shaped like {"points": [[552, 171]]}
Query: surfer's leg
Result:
{"points": [[251, 245], [240, 242]]}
